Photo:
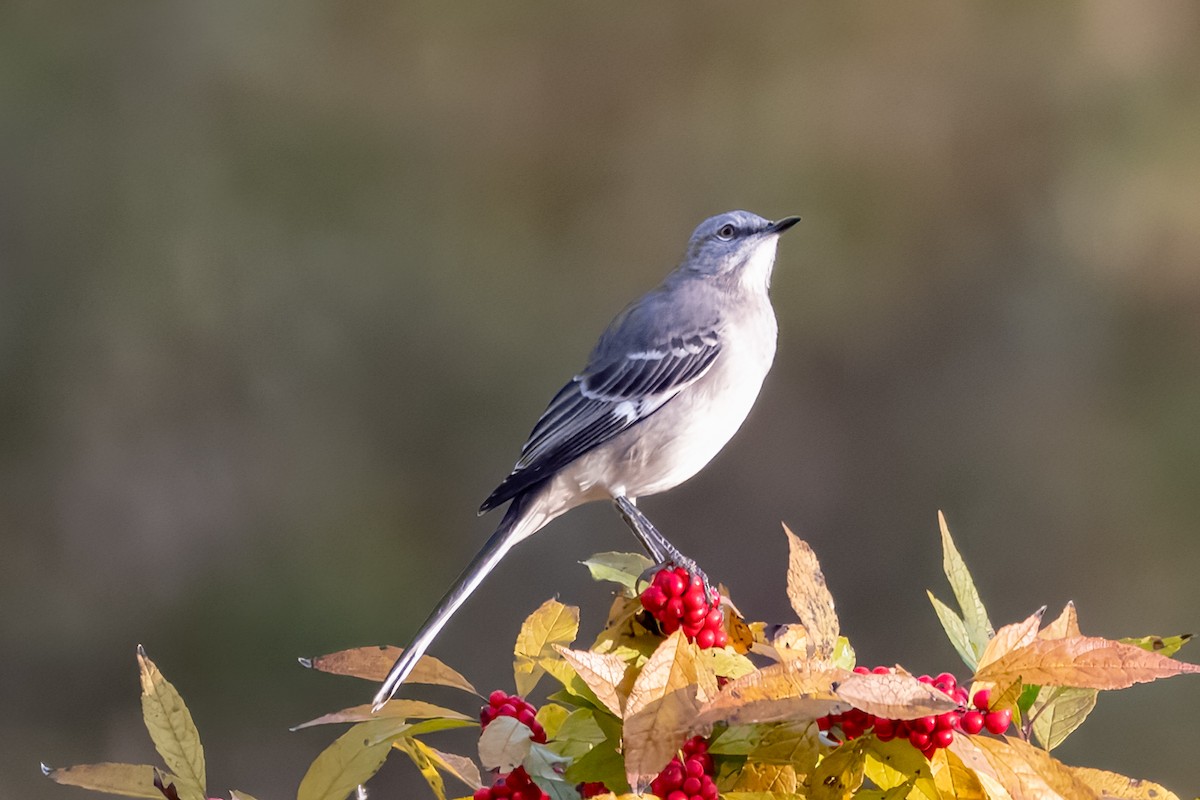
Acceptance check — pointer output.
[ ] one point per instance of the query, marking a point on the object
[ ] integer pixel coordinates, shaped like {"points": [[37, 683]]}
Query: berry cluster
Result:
{"points": [[677, 600], [927, 734], [511, 705], [516, 785], [689, 777], [592, 789]]}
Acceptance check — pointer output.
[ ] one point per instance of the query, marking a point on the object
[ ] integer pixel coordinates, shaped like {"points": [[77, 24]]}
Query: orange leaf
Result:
{"points": [[1085, 662], [373, 663], [810, 597], [1065, 626], [894, 695], [1010, 637]]}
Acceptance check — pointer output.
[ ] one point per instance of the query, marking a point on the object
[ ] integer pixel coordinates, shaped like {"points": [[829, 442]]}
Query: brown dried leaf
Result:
{"points": [[662, 706], [810, 597], [604, 674], [393, 709], [1065, 626], [373, 663], [895, 695], [1027, 772], [130, 780], [460, 767], [551, 624], [792, 690], [1086, 662], [1009, 638], [1111, 786], [171, 729]]}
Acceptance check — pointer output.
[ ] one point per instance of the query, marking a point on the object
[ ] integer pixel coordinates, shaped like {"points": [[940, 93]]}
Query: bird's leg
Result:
{"points": [[661, 551]]}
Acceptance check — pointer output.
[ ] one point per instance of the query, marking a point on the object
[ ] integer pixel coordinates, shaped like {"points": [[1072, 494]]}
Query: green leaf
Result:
{"points": [[622, 568], [601, 763], [1029, 694], [956, 631], [551, 717], [1058, 711], [351, 760], [578, 733], [974, 615], [546, 768], [1163, 645], [130, 780], [843, 654], [172, 730]]}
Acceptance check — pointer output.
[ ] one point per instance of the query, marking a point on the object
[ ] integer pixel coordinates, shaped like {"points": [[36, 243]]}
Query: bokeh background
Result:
{"points": [[282, 288]]}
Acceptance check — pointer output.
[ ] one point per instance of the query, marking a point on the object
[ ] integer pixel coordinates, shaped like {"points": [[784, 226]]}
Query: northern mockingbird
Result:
{"points": [[668, 384]]}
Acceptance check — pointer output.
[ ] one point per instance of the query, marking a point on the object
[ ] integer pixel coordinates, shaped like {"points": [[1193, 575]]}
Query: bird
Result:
{"points": [[667, 385]]}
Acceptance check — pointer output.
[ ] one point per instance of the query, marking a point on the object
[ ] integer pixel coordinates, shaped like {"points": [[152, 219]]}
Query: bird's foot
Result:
{"points": [[660, 549]]}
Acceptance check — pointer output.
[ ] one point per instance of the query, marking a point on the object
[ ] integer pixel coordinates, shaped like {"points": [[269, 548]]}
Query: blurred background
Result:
{"points": [[283, 289]]}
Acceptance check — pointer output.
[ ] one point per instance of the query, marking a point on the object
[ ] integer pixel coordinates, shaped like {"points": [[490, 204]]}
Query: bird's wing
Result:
{"points": [[613, 393]]}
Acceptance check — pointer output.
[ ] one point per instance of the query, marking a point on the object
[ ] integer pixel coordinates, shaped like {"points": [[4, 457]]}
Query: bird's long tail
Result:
{"points": [[521, 520]]}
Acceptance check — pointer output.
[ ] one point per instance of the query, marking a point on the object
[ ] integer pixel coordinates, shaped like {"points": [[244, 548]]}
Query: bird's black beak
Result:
{"points": [[779, 226]]}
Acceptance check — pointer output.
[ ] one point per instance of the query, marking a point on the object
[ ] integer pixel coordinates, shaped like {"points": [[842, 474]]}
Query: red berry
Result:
{"points": [[592, 789], [923, 724], [706, 638], [823, 723], [997, 722], [919, 740], [982, 699], [946, 682], [943, 737], [881, 671], [862, 671], [674, 583], [948, 721], [924, 679], [972, 722], [885, 729]]}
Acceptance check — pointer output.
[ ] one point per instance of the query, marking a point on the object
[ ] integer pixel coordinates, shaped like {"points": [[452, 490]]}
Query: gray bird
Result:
{"points": [[669, 383]]}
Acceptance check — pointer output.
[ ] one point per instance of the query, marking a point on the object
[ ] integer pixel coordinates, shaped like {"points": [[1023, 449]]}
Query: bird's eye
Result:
{"points": [[726, 232]]}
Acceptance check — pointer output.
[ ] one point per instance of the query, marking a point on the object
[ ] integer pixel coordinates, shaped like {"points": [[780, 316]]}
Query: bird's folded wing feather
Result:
{"points": [[610, 395]]}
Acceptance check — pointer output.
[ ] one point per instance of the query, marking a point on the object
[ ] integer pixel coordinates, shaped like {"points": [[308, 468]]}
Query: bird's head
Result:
{"points": [[736, 244]]}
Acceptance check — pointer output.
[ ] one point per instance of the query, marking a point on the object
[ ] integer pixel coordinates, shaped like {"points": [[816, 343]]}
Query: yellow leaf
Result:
{"points": [[758, 778], [1111, 786], [974, 615], [604, 674], [1058, 711], [623, 568], [504, 744], [551, 716], [413, 749], [956, 631], [1009, 638], [1026, 771], [791, 690], [727, 662], [373, 663], [1066, 625], [897, 763], [810, 597], [1083, 662], [895, 695], [954, 780], [839, 774], [393, 709], [352, 759], [553, 623], [234, 794], [130, 780], [171, 729], [662, 706]]}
